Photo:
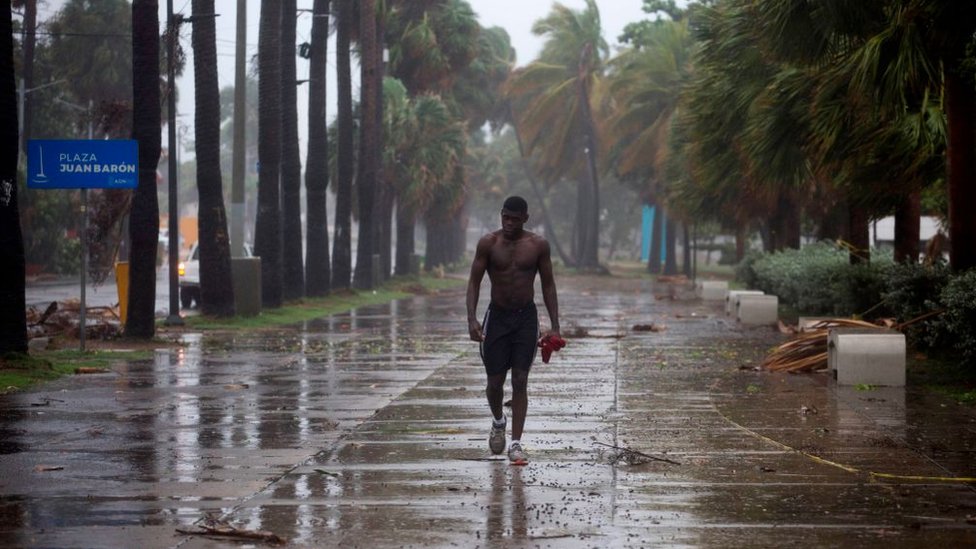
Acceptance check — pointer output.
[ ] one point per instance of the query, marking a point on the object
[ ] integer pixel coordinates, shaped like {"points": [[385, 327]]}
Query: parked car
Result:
{"points": [[189, 270]]}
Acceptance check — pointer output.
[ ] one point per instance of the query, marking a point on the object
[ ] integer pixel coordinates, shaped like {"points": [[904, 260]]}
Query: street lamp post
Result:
{"points": [[82, 319]]}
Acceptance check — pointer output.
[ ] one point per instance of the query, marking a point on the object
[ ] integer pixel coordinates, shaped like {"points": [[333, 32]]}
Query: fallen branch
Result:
{"points": [[226, 530], [636, 453]]}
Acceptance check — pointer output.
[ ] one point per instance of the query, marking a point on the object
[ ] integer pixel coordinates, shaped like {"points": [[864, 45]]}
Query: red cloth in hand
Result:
{"points": [[550, 344]]}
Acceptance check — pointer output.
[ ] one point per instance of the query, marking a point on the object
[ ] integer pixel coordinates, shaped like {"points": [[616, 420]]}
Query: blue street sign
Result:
{"points": [[82, 164]]}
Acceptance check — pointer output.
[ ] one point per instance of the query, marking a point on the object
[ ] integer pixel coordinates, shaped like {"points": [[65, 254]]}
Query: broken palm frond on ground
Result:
{"points": [[807, 352]]}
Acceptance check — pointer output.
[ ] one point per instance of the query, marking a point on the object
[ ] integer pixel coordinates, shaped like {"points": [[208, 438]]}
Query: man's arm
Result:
{"points": [[478, 268], [549, 288]]}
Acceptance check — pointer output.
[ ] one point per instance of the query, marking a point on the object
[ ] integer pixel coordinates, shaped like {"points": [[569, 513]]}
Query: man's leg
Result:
{"points": [[520, 401], [496, 394]]}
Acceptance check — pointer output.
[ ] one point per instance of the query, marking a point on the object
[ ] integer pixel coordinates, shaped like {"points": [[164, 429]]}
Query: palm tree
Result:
{"points": [[13, 319], [317, 271], [293, 270], [144, 215], [267, 232], [646, 82], [558, 122], [216, 283], [716, 175], [342, 247], [431, 43], [370, 138], [424, 143]]}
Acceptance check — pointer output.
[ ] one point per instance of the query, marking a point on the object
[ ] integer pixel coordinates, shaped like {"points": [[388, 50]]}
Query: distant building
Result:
{"points": [[883, 231]]}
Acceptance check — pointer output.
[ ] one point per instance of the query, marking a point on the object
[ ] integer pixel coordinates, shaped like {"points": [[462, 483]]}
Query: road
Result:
{"points": [[40, 293]]}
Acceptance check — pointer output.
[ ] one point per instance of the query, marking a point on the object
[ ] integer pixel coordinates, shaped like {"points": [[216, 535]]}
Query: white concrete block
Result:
{"points": [[757, 309], [732, 300], [866, 356], [714, 290]]}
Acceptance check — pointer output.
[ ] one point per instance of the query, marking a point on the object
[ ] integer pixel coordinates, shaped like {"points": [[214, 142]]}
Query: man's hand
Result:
{"points": [[474, 330], [551, 343]]}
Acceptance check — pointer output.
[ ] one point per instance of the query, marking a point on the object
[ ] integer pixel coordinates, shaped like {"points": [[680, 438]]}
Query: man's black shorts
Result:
{"points": [[511, 338]]}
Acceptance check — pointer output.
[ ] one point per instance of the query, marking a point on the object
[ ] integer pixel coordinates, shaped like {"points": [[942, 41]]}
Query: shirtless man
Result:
{"points": [[510, 333]]}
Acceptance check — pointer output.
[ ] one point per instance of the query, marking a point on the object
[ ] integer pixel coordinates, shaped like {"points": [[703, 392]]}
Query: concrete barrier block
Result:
{"points": [[866, 356], [714, 290], [732, 300], [757, 310], [246, 274]]}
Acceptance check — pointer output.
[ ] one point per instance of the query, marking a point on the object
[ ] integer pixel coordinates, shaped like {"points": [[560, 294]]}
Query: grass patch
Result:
{"points": [[337, 302], [952, 378], [20, 371]]}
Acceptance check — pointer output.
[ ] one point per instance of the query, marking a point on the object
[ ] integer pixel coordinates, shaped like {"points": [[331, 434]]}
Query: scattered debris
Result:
{"points": [[652, 327], [632, 457], [214, 527], [808, 410], [576, 332], [90, 370], [327, 473], [64, 317], [45, 468]]}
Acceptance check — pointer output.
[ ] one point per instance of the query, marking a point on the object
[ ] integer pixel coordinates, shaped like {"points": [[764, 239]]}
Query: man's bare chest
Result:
{"points": [[517, 256]]}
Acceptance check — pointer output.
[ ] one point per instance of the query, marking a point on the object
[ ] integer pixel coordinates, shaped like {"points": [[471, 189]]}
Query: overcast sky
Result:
{"points": [[515, 16]]}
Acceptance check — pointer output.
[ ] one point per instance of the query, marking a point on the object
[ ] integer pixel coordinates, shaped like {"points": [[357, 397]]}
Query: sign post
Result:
{"points": [[82, 164]]}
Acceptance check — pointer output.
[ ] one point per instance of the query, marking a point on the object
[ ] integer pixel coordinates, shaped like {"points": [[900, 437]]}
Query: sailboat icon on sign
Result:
{"points": [[40, 177]]}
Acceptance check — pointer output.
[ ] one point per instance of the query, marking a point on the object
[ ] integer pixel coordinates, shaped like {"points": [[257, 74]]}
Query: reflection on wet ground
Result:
{"points": [[368, 429]]}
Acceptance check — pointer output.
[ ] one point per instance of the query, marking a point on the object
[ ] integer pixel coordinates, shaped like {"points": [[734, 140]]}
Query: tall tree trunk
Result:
{"points": [[406, 220], [686, 249], [216, 282], [147, 131], [741, 240], [384, 194], [859, 236], [551, 235], [590, 241], [784, 224], [342, 243], [670, 248], [384, 226], [654, 257], [317, 271], [961, 166], [908, 217], [30, 39], [293, 269], [13, 307], [459, 234], [267, 232], [369, 141]]}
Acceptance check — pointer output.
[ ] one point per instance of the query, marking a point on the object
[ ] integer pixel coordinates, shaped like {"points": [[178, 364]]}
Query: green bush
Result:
{"points": [[818, 279], [959, 319], [914, 290], [744, 271]]}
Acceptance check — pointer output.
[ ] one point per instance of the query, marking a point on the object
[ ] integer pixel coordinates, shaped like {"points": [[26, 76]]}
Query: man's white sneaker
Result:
{"points": [[517, 455], [496, 439]]}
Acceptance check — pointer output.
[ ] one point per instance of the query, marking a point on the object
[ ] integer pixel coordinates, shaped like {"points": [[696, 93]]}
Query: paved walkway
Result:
{"points": [[368, 430]]}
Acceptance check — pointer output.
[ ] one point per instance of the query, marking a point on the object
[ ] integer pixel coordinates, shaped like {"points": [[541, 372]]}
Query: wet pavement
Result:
{"points": [[369, 430]]}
